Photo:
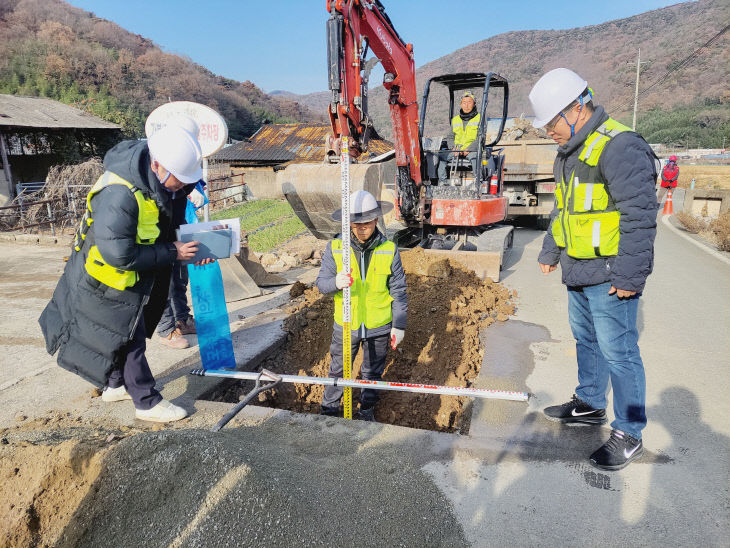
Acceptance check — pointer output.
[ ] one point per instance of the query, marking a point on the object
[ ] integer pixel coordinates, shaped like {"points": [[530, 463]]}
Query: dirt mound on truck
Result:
{"points": [[447, 309], [522, 128]]}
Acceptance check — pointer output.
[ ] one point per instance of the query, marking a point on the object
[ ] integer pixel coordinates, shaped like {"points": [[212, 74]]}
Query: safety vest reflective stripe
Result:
{"points": [[587, 224], [147, 233], [464, 136], [370, 298]]}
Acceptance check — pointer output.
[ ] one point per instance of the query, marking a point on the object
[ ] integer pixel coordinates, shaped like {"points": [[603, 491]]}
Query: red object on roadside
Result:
{"points": [[670, 174], [668, 207], [493, 185]]}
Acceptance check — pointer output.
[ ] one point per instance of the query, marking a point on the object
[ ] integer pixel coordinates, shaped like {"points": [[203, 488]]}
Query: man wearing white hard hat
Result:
{"points": [[378, 298], [115, 284], [602, 234]]}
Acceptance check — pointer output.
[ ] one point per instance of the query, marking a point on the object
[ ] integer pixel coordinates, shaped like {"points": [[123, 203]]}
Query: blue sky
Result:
{"points": [[281, 44]]}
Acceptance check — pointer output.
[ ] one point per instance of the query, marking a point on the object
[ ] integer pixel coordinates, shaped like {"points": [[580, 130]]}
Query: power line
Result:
{"points": [[683, 63]]}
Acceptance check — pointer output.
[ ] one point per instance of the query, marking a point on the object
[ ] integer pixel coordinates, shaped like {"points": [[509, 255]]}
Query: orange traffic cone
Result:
{"points": [[668, 207]]}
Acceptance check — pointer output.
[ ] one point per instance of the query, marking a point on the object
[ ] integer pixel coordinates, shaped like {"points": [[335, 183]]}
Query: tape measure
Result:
{"points": [[346, 319]]}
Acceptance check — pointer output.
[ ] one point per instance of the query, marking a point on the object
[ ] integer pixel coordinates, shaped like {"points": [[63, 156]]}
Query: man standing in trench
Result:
{"points": [[379, 303], [115, 284], [602, 234]]}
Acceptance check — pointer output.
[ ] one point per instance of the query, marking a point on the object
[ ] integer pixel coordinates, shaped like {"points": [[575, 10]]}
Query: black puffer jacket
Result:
{"points": [[89, 322], [627, 163]]}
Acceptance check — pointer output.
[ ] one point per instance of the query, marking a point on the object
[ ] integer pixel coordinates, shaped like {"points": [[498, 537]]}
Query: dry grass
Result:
{"points": [[720, 230], [716, 231], [704, 176], [691, 223]]}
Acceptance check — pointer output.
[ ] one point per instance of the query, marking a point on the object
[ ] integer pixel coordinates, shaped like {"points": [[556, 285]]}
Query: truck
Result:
{"points": [[529, 184]]}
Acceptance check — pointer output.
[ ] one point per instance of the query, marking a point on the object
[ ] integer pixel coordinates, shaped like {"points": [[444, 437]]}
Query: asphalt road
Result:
{"points": [[543, 491]]}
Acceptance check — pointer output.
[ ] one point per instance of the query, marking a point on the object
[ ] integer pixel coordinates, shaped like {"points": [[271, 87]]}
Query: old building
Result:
{"points": [[273, 147], [37, 133]]}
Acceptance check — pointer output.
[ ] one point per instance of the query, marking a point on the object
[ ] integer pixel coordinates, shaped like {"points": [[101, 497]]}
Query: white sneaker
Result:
{"points": [[115, 394], [164, 411]]}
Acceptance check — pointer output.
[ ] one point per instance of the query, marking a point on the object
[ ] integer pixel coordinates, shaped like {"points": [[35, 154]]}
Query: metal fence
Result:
{"points": [[30, 213], [55, 213]]}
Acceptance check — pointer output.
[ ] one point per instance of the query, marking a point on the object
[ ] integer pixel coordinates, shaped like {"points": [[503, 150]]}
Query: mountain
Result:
{"points": [[605, 55], [49, 48], [318, 101]]}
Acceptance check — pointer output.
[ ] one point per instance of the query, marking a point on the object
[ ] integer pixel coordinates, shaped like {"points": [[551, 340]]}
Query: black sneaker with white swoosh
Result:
{"points": [[576, 411], [617, 452]]}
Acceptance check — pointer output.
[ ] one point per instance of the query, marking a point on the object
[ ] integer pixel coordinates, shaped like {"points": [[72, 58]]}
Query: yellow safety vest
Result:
{"points": [[147, 233], [587, 224], [464, 136], [369, 299]]}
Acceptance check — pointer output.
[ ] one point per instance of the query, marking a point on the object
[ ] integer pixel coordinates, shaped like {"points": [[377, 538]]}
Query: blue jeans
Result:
{"points": [[176, 309], [604, 328]]}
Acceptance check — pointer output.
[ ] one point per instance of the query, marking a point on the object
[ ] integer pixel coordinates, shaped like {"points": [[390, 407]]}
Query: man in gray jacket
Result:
{"points": [[378, 298], [602, 234]]}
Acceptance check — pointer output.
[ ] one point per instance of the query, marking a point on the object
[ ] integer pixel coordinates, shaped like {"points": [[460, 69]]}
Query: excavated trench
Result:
{"points": [[448, 306], [66, 482]]}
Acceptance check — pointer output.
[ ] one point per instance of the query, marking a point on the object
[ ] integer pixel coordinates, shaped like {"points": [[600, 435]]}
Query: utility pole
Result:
{"points": [[636, 89]]}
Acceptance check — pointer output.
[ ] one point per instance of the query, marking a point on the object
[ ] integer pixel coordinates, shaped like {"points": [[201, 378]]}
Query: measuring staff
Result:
{"points": [[379, 305]]}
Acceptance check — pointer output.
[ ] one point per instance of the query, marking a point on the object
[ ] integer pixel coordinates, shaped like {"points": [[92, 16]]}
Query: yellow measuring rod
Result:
{"points": [[346, 319]]}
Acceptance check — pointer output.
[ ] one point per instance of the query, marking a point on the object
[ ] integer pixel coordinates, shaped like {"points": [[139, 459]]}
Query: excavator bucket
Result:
{"points": [[243, 277], [314, 191], [485, 254], [260, 276], [237, 284]]}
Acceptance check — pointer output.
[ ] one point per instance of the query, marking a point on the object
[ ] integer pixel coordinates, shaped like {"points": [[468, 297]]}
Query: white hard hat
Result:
{"points": [[178, 151], [553, 92], [364, 207]]}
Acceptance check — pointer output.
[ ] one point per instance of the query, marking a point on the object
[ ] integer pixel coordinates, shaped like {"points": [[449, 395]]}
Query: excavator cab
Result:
{"points": [[491, 97], [462, 211]]}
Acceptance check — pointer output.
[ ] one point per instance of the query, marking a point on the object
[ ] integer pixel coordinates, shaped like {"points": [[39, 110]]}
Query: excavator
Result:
{"points": [[459, 217]]}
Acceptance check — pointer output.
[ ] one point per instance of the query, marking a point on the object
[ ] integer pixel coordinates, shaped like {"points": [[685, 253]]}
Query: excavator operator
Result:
{"points": [[465, 126]]}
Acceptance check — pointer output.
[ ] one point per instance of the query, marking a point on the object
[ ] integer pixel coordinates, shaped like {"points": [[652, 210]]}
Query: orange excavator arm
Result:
{"points": [[353, 27]]}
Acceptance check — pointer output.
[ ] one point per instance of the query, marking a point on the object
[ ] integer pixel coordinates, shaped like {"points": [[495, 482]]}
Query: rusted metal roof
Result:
{"points": [[276, 144], [39, 112]]}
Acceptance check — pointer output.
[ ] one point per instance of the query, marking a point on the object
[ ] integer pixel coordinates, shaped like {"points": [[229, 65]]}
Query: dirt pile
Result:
{"points": [[446, 311], [47, 467]]}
